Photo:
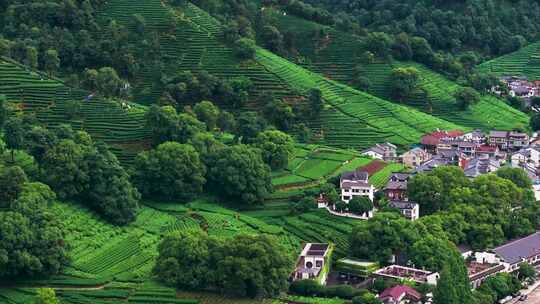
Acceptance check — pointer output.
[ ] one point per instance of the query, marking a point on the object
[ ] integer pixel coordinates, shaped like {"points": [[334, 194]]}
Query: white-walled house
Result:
{"points": [[312, 263], [530, 155], [355, 183]]}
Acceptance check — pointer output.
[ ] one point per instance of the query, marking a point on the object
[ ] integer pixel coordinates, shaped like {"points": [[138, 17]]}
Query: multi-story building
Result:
{"points": [[355, 183]]}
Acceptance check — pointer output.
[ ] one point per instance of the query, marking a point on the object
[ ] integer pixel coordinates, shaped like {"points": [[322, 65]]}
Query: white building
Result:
{"points": [[311, 263], [409, 210], [386, 151], [530, 155], [355, 183]]}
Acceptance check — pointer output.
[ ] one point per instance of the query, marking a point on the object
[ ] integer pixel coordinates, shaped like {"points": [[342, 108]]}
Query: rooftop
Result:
{"points": [[315, 249], [402, 204], [398, 291], [401, 272], [355, 176], [498, 134], [519, 249], [477, 270]]}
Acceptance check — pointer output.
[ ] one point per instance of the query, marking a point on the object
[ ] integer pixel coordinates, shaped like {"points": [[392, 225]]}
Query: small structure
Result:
{"points": [[415, 157], [433, 163], [400, 294], [410, 210], [476, 136], [355, 183], [385, 151], [431, 140], [530, 155], [396, 187], [407, 273], [518, 140], [350, 268], [498, 139], [313, 263], [478, 166], [524, 250]]}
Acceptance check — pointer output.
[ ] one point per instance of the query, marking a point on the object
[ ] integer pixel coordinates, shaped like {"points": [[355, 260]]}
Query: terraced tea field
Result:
{"points": [[336, 55], [524, 62], [105, 120]]}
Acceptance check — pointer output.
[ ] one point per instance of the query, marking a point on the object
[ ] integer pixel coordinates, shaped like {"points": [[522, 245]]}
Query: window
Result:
{"points": [[318, 263], [355, 190], [347, 190], [346, 198]]}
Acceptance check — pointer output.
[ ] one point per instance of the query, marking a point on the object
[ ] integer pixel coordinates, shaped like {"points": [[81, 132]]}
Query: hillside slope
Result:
{"points": [[336, 54], [351, 119], [48, 98], [525, 62]]}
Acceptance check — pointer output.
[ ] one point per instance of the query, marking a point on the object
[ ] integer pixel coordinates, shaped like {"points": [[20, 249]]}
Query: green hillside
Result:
{"points": [[336, 55], [105, 120], [525, 62]]}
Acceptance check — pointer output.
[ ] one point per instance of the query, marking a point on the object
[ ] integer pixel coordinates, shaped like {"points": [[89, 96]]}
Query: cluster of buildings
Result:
{"points": [[517, 86]]}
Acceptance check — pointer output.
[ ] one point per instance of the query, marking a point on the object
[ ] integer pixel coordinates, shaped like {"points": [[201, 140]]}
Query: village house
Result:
{"points": [[312, 263], [396, 187], [529, 155], [517, 140], [458, 146], [505, 140], [433, 163], [518, 86], [415, 157], [524, 250], [431, 140], [476, 136], [480, 165], [480, 266], [355, 183], [490, 151], [498, 139], [385, 151], [396, 272], [400, 294], [410, 210]]}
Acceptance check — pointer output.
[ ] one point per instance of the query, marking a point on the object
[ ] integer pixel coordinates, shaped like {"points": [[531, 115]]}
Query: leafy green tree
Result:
{"points": [[466, 97], [108, 82], [52, 61], [401, 47], [110, 192], [279, 113], [240, 173], [194, 260], [171, 171], [273, 39], [404, 81], [276, 148], [163, 123], [304, 205], [500, 286], [31, 58], [66, 171], [46, 296], [425, 190], [315, 102], [382, 236], [379, 44], [249, 125], [11, 183], [90, 79], [184, 259], [516, 175], [73, 108], [245, 48], [432, 253], [5, 47], [226, 122], [208, 113], [267, 261], [360, 205], [366, 298], [139, 23], [31, 239], [38, 140], [526, 272], [453, 286], [14, 134]]}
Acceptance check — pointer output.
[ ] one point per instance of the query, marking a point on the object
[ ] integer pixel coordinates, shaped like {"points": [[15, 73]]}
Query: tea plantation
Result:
{"points": [[524, 62]]}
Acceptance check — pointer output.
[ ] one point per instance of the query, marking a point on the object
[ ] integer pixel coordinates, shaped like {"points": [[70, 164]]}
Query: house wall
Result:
{"points": [[373, 155], [348, 194]]}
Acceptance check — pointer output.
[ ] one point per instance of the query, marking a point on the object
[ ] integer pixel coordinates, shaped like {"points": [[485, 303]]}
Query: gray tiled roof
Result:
{"points": [[355, 176], [478, 166], [517, 250], [498, 134], [402, 204]]}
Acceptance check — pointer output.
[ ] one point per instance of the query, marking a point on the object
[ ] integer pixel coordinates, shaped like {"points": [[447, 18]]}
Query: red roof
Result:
{"points": [[486, 148], [398, 291], [432, 139]]}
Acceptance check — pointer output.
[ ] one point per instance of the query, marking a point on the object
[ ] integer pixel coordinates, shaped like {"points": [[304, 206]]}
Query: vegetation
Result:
{"points": [[252, 266]]}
